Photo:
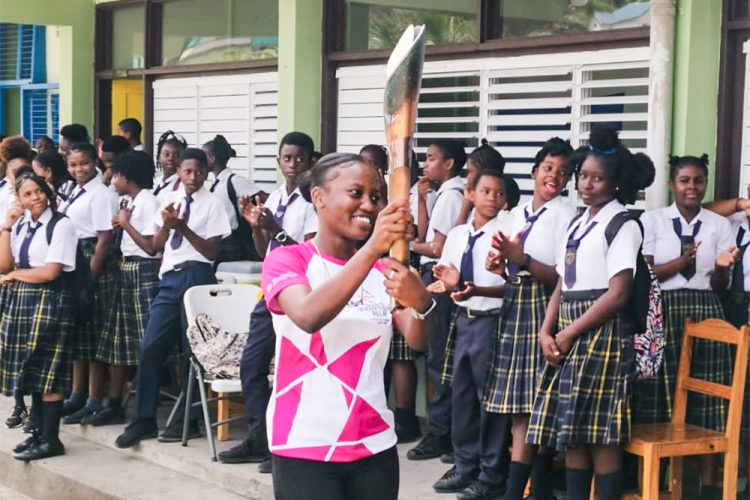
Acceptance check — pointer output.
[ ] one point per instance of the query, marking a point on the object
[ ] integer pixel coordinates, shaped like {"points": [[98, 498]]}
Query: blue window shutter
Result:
{"points": [[40, 112], [22, 53]]}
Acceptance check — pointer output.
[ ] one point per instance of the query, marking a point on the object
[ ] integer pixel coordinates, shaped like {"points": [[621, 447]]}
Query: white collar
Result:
{"points": [[451, 183]]}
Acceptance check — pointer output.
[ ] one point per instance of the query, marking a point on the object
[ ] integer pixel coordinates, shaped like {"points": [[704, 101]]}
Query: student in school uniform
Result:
{"points": [[111, 149], [37, 250], [582, 406], [477, 436], [528, 256], [118, 346], [50, 165], [15, 152], [443, 163], [229, 188], [481, 158], [692, 250], [130, 129], [90, 206], [168, 151], [286, 218], [71, 134], [190, 225]]}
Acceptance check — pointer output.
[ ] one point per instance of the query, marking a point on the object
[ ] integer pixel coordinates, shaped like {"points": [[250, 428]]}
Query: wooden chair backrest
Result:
{"points": [[718, 331]]}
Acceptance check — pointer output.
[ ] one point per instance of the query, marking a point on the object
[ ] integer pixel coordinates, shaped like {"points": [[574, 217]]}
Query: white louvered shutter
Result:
{"points": [[745, 156], [242, 108], [516, 103]]}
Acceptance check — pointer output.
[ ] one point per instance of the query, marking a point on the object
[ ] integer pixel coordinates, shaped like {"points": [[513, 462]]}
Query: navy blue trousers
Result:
{"points": [[254, 364], [166, 328], [480, 438], [439, 408]]}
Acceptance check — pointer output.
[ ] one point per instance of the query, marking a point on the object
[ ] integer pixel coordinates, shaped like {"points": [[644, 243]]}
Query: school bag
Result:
{"points": [[78, 280], [217, 351], [244, 233], [645, 307]]}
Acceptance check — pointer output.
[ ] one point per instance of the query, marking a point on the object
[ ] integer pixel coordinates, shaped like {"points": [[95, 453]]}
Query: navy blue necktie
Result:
{"points": [[213, 186], [72, 199], [466, 273], [3, 182], [530, 220], [23, 255], [571, 250], [119, 232], [278, 216], [177, 236], [686, 243], [738, 273]]}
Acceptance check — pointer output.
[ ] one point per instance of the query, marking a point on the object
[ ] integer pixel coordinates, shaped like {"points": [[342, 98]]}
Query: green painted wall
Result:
{"points": [[300, 67], [696, 79], [12, 111], [75, 19]]}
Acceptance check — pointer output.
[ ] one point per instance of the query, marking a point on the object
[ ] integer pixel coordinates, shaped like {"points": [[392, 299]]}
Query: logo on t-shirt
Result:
{"points": [[366, 303]]}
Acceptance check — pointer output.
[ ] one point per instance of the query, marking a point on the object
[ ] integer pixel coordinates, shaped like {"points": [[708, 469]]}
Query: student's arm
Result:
{"points": [[6, 256], [432, 248], [728, 207], [160, 238], [671, 268], [208, 247], [511, 250], [103, 244], [122, 220], [728, 255], [36, 275], [471, 290], [549, 347], [423, 218], [311, 309], [466, 207]]}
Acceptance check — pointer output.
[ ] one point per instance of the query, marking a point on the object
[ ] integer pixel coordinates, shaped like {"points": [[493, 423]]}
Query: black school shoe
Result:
{"points": [[447, 458], [173, 433], [253, 449], [431, 446], [479, 490], [453, 481], [105, 416], [408, 432], [30, 425], [78, 417], [266, 466], [136, 431], [69, 408], [27, 443], [19, 415], [41, 449]]}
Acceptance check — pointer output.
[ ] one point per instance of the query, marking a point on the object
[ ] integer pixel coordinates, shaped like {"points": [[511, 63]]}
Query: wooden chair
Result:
{"points": [[677, 439]]}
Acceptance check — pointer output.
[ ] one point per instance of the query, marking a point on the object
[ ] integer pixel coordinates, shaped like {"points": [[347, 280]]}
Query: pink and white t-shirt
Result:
{"points": [[328, 402]]}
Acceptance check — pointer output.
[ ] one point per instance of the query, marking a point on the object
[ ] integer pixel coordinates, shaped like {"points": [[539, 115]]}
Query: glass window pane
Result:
{"points": [[741, 9], [523, 18], [202, 32], [373, 26], [128, 38]]}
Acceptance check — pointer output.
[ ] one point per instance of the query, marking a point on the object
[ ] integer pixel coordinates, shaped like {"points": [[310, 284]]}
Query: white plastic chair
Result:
{"points": [[242, 271], [230, 305]]}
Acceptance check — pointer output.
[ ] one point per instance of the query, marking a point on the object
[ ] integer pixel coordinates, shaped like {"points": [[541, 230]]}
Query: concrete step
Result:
{"points": [[95, 469], [9, 494]]}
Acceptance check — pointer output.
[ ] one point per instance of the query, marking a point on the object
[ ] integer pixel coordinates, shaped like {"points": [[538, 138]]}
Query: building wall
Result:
{"points": [[74, 20]]}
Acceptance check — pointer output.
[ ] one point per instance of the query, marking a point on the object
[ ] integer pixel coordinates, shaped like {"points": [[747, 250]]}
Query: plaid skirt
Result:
{"points": [[37, 331], [586, 400], [518, 361], [446, 376], [120, 342], [90, 330], [712, 361], [400, 350]]}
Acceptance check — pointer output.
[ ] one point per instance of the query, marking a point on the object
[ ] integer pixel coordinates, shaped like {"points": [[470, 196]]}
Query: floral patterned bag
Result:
{"points": [[645, 306], [217, 350]]}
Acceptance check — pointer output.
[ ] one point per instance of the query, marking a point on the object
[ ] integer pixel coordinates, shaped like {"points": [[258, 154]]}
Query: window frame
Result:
{"points": [[152, 70]]}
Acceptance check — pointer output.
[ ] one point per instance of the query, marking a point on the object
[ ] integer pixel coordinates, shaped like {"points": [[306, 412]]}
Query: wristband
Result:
{"points": [[421, 316]]}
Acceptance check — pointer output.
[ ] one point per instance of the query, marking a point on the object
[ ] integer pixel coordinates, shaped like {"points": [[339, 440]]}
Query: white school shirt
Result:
{"points": [[139, 147], [328, 403], [163, 187], [548, 232], [220, 187], [60, 250], [93, 210], [597, 263], [737, 221], [143, 209], [448, 201], [207, 219], [300, 217], [663, 244], [7, 198], [453, 251]]}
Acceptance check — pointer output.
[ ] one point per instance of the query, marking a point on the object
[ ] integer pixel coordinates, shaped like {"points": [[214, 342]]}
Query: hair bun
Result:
{"points": [[604, 136]]}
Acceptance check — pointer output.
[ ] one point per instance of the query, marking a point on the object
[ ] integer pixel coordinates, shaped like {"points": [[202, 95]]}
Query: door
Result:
{"points": [[127, 101]]}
